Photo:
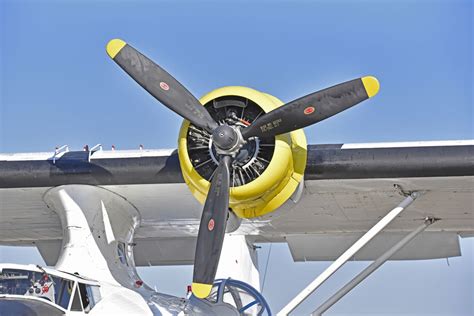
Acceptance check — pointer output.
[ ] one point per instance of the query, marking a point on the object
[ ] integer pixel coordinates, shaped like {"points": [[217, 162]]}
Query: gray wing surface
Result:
{"points": [[347, 188]]}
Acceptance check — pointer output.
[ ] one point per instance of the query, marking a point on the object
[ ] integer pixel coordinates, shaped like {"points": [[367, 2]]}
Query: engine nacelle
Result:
{"points": [[266, 172]]}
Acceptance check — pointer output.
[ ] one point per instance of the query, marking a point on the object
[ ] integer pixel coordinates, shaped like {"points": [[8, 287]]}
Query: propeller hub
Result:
{"points": [[227, 140]]}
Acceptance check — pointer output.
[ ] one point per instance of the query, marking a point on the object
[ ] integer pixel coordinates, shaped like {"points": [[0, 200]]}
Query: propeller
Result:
{"points": [[212, 230], [160, 84], [313, 108], [228, 140]]}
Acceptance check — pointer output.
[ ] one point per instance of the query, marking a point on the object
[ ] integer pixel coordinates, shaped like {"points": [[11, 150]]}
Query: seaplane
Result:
{"points": [[242, 174]]}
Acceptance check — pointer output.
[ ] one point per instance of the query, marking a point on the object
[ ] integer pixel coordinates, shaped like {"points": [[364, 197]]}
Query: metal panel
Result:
{"points": [[327, 247]]}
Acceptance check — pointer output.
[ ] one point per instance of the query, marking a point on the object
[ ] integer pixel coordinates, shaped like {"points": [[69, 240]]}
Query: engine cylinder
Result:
{"points": [[265, 172]]}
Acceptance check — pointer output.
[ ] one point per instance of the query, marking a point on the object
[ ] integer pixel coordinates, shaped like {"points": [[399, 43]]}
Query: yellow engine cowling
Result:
{"points": [[279, 180]]}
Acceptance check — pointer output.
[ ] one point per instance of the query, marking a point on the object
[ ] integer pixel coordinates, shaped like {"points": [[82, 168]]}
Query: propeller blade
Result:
{"points": [[313, 108], [160, 84], [212, 230]]}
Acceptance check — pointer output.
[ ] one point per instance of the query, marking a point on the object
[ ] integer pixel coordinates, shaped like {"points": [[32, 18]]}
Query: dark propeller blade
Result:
{"points": [[313, 108], [160, 84], [212, 230]]}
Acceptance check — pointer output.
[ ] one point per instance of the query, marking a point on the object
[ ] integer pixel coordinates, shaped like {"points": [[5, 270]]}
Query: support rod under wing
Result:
{"points": [[371, 268], [349, 253]]}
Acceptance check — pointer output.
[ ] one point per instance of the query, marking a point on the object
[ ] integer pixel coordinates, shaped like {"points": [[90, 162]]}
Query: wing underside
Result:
{"points": [[347, 188]]}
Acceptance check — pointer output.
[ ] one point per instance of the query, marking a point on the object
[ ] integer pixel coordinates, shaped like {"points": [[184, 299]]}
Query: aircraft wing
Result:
{"points": [[346, 189]]}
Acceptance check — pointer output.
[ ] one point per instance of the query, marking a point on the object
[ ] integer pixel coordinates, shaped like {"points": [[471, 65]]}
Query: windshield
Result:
{"points": [[39, 284]]}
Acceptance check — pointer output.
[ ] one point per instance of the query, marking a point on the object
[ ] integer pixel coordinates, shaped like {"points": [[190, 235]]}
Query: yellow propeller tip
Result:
{"points": [[201, 290], [371, 85], [114, 47]]}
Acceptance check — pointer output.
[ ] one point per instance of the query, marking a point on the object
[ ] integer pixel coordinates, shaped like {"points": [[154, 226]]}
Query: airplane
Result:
{"points": [[242, 174]]}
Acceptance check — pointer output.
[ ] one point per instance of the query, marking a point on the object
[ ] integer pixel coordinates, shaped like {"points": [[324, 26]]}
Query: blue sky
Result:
{"points": [[58, 86]]}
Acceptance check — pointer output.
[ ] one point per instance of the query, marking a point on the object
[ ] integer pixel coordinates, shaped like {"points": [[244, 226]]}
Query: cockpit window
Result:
{"points": [[84, 296], [76, 302], [49, 287], [64, 291], [93, 295], [28, 283]]}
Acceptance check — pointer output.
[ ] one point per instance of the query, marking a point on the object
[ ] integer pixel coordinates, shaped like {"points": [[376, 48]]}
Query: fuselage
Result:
{"points": [[35, 290]]}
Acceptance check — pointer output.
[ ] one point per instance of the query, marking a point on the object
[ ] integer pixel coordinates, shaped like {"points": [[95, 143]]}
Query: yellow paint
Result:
{"points": [[275, 185], [371, 85], [114, 47], [201, 290]]}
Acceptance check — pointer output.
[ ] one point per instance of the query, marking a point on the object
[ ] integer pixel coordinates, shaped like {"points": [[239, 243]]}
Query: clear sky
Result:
{"points": [[58, 86]]}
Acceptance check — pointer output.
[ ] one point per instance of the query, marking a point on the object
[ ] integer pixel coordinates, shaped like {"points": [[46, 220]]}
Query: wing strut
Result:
{"points": [[348, 254], [372, 267]]}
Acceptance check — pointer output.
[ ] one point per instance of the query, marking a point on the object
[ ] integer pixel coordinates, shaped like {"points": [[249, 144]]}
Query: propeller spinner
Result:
{"points": [[228, 140]]}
